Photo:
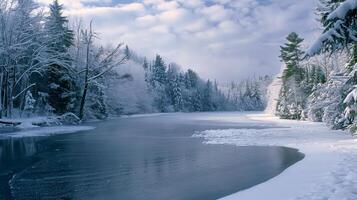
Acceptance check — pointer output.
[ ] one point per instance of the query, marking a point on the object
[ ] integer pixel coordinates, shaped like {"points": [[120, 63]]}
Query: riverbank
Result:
{"points": [[328, 171], [39, 126]]}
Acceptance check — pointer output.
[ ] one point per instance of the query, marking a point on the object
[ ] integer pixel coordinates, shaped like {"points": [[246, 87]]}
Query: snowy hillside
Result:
{"points": [[273, 92]]}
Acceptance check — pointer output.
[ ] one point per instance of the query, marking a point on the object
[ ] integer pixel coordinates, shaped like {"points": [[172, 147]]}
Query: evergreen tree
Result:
{"points": [[29, 103], [291, 55], [191, 79], [340, 24], [174, 87], [291, 101], [196, 101], [325, 8], [96, 102], [207, 104], [158, 84], [158, 71], [60, 37], [177, 94], [58, 82]]}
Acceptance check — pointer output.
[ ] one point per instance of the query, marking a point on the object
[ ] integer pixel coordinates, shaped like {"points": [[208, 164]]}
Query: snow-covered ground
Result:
{"points": [[37, 127], [273, 92], [328, 171], [45, 131]]}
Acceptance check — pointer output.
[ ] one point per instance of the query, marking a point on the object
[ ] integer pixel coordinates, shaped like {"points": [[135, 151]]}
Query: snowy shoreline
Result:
{"points": [[39, 127], [328, 171], [48, 126]]}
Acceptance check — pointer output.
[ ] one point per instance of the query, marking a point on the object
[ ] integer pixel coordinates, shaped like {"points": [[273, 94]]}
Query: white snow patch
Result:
{"points": [[274, 92], [142, 115], [34, 122], [326, 36], [352, 96], [328, 171], [342, 10], [46, 131]]}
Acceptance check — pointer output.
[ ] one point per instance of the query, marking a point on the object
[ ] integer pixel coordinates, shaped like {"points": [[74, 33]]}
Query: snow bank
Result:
{"points": [[142, 115], [329, 170], [46, 131], [41, 126], [33, 122]]}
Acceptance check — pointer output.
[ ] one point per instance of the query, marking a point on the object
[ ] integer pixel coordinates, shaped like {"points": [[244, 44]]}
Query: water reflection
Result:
{"points": [[14, 151], [15, 154]]}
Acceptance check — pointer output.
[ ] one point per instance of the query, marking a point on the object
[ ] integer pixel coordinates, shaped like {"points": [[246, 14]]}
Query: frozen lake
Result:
{"points": [[151, 157]]}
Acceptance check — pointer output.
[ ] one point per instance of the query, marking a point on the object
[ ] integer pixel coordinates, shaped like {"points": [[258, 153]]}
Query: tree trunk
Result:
{"points": [[6, 94], [12, 91], [83, 100], [1, 94], [86, 79]]}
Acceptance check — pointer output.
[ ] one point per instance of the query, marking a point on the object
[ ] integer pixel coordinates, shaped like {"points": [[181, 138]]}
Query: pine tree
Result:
{"points": [[339, 19], [291, 100], [158, 71], [191, 79], [61, 86], [196, 101], [174, 87], [291, 55], [60, 37], [29, 103], [325, 8], [207, 104], [177, 94]]}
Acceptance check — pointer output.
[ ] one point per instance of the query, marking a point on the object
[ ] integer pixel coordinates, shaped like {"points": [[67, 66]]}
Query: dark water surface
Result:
{"points": [[136, 158]]}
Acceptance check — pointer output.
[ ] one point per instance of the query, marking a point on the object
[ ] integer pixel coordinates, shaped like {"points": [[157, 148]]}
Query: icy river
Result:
{"points": [[142, 157]]}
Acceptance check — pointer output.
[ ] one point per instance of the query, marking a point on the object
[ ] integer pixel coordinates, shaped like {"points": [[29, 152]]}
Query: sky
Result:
{"points": [[226, 40]]}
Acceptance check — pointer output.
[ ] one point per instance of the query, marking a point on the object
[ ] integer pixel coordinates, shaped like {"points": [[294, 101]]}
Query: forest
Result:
{"points": [[51, 65], [320, 83]]}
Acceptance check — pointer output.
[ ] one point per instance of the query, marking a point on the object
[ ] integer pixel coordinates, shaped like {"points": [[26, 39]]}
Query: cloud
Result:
{"points": [[174, 16], [132, 7], [168, 5], [217, 12], [223, 39]]}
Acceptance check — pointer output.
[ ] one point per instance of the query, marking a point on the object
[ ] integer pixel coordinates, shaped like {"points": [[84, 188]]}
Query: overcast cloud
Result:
{"points": [[222, 39]]}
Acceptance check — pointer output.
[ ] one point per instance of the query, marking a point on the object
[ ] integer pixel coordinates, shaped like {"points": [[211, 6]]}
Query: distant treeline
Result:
{"points": [[49, 66]]}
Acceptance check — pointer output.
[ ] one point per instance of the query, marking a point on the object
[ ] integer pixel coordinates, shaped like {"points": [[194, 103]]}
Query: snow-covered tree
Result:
{"points": [[47, 68], [21, 52], [59, 78], [158, 75], [29, 103], [174, 87], [350, 111], [293, 94], [97, 63], [291, 55], [60, 37], [339, 19]]}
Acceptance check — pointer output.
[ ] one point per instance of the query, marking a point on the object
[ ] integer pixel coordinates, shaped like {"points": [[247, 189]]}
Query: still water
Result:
{"points": [[145, 158]]}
